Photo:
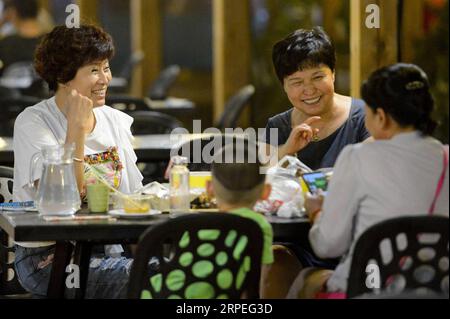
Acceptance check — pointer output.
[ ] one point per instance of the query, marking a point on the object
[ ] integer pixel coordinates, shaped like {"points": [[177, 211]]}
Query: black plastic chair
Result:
{"points": [[419, 257], [122, 83], [159, 89], [149, 122], [11, 107], [134, 60], [22, 77], [20, 70], [10, 93], [127, 104], [195, 150], [38, 88], [235, 106], [215, 252], [9, 285]]}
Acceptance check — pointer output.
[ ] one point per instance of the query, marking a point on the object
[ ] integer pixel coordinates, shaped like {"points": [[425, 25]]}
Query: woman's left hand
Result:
{"points": [[313, 203]]}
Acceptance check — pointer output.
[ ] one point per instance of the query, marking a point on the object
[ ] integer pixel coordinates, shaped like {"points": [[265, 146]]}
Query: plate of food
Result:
{"points": [[121, 213], [204, 201]]}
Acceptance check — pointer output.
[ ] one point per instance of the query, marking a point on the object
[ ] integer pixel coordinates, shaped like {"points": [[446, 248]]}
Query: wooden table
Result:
{"points": [[26, 226]]}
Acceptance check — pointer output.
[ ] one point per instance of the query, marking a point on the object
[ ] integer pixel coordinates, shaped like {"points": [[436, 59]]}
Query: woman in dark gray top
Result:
{"points": [[318, 126], [321, 122]]}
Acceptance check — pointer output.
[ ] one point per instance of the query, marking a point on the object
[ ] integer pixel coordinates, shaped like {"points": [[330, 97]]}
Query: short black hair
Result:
{"points": [[236, 174], [402, 91], [64, 50], [303, 49], [26, 9], [237, 166]]}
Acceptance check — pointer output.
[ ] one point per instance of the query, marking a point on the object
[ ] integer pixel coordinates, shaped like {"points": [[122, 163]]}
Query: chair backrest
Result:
{"points": [[149, 122], [200, 151], [410, 253], [205, 255], [127, 104], [134, 60], [159, 89], [6, 183], [9, 285], [22, 76], [38, 88], [6, 92], [23, 69], [235, 106], [11, 107]]}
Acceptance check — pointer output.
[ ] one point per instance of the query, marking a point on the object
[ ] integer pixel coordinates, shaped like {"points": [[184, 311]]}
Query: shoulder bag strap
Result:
{"points": [[440, 182]]}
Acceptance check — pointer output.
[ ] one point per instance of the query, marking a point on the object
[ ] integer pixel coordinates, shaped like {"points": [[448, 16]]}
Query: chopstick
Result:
{"points": [[78, 218]]}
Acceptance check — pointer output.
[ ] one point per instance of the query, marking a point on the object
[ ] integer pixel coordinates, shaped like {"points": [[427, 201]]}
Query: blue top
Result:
{"points": [[323, 153]]}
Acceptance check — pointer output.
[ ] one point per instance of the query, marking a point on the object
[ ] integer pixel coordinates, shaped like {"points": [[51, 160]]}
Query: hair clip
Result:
{"points": [[414, 85]]}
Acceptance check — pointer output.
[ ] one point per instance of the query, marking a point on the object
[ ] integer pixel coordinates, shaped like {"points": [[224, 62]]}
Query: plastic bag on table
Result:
{"points": [[286, 199], [160, 199], [292, 165]]}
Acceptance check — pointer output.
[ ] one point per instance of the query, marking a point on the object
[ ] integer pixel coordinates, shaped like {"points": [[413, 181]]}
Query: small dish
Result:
{"points": [[132, 203], [120, 213]]}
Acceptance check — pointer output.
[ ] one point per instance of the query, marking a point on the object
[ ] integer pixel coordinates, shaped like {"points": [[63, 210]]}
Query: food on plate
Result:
{"points": [[136, 204], [204, 201]]}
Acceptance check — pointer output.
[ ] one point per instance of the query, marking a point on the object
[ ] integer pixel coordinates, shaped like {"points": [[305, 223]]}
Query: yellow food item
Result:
{"points": [[136, 207]]}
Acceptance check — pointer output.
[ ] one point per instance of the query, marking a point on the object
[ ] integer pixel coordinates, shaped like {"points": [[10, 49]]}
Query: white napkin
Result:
{"points": [[155, 188]]}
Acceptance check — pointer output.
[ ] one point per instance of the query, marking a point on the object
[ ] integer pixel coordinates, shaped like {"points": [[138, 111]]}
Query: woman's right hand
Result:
{"points": [[78, 111], [79, 115], [301, 135]]}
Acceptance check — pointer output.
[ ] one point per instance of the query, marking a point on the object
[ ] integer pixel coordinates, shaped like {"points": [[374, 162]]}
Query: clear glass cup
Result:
{"points": [[97, 197]]}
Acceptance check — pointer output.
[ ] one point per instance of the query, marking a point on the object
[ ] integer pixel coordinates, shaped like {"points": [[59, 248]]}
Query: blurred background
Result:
{"points": [[210, 49]]}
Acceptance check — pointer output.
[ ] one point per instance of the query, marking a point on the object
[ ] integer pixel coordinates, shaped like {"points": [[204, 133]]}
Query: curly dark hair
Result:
{"points": [[302, 49], [402, 90], [64, 50]]}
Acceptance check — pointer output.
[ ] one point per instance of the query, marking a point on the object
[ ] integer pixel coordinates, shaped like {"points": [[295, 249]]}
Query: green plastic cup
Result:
{"points": [[98, 198]]}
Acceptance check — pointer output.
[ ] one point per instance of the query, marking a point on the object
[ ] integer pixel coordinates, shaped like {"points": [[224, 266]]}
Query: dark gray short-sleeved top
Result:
{"points": [[324, 152]]}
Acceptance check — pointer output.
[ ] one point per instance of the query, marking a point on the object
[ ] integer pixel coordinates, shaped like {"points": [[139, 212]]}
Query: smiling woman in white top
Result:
{"points": [[396, 175], [75, 64]]}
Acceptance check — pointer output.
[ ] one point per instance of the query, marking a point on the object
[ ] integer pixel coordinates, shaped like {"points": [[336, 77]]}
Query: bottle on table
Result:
{"points": [[179, 185]]}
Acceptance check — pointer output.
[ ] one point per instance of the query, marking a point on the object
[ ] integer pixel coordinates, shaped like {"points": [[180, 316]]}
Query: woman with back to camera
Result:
{"points": [[321, 122], [396, 175], [75, 64]]}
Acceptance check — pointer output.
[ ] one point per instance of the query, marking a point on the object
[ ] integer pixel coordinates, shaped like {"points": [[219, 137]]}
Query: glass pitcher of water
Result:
{"points": [[57, 192]]}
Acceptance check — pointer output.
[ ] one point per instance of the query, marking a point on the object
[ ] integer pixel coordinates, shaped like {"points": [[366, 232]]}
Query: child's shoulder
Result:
{"points": [[251, 214]]}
